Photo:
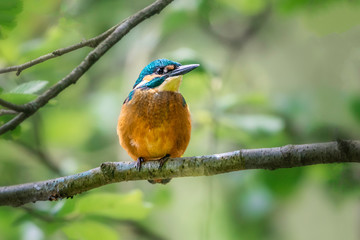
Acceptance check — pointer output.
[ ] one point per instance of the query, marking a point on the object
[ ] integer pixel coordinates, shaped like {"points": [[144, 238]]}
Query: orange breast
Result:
{"points": [[153, 124]]}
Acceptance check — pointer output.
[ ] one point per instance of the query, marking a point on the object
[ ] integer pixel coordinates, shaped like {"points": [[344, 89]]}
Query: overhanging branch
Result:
{"points": [[110, 40], [267, 158], [93, 42]]}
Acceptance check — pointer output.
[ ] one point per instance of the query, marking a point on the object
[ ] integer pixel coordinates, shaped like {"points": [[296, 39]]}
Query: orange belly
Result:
{"points": [[153, 124]]}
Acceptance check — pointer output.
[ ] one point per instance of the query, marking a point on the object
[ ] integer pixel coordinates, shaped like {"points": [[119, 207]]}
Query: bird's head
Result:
{"points": [[163, 75]]}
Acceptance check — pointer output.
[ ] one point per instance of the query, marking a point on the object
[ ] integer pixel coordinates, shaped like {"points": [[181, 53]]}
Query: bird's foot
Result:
{"points": [[139, 162], [163, 160]]}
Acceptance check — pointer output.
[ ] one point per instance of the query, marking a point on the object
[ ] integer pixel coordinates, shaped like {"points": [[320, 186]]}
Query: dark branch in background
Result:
{"points": [[36, 146], [267, 158], [41, 155], [136, 227], [252, 28], [120, 31], [140, 230]]}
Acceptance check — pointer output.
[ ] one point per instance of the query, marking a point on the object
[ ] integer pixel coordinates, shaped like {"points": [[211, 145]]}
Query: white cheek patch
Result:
{"points": [[141, 84], [147, 79]]}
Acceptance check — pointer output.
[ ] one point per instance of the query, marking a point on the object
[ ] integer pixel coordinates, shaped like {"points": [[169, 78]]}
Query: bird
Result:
{"points": [[154, 121]]}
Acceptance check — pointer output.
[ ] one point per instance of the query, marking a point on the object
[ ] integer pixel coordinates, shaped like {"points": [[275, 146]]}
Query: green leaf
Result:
{"points": [[9, 9], [30, 87], [18, 98], [249, 7], [89, 230], [275, 180], [254, 123], [293, 5], [8, 229], [355, 107], [118, 206], [11, 135], [175, 21], [162, 197], [66, 208], [326, 21], [72, 126]]}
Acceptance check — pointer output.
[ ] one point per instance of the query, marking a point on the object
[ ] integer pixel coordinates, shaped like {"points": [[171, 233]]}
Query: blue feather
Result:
{"points": [[130, 96], [151, 67], [155, 82], [152, 84], [184, 102]]}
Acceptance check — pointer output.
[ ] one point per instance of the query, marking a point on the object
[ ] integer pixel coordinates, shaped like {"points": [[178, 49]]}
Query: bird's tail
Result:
{"points": [[161, 181]]}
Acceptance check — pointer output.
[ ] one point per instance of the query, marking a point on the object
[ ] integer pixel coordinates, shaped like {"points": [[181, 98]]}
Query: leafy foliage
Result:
{"points": [[89, 230], [80, 219], [29, 87], [21, 94], [114, 206], [9, 9], [295, 81]]}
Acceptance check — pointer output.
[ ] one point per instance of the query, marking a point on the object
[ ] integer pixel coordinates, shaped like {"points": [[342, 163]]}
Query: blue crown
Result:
{"points": [[151, 67]]}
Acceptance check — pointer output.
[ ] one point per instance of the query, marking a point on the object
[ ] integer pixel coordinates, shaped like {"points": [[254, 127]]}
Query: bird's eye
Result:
{"points": [[160, 70]]}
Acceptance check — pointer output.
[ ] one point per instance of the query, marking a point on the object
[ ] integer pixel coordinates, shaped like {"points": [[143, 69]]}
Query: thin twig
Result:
{"points": [[12, 106], [93, 42], [7, 112], [88, 62], [41, 155], [13, 123], [267, 158], [44, 217], [135, 226]]}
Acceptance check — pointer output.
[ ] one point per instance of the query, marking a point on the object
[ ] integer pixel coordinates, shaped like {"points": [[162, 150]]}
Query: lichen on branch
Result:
{"points": [[110, 172]]}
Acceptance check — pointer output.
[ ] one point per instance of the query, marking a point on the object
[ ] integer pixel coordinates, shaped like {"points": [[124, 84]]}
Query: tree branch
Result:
{"points": [[92, 42], [267, 158], [115, 36], [42, 156], [12, 106], [7, 112], [251, 29]]}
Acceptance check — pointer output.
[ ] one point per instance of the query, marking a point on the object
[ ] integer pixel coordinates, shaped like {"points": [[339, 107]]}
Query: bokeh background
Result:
{"points": [[272, 73]]}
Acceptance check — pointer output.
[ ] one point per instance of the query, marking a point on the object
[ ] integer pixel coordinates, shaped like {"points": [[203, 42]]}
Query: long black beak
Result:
{"points": [[181, 70]]}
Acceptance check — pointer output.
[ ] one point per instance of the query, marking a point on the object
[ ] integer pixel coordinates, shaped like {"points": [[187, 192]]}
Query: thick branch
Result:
{"points": [[267, 158], [90, 59]]}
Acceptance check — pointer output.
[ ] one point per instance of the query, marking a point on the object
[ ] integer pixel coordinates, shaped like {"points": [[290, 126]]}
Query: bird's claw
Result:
{"points": [[139, 162], [163, 160]]}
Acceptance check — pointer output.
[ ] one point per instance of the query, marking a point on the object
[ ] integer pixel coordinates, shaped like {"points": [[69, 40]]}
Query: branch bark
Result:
{"points": [[93, 42], [110, 172], [9, 105], [116, 35], [7, 112]]}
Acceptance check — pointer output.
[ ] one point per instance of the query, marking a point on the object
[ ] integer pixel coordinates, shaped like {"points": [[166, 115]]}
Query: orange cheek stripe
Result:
{"points": [[150, 77], [170, 67]]}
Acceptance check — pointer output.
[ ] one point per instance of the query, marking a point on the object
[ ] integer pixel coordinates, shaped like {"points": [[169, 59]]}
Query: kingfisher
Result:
{"points": [[154, 122]]}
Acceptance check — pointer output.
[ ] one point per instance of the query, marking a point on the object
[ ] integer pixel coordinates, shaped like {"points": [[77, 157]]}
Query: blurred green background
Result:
{"points": [[272, 73]]}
